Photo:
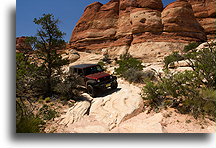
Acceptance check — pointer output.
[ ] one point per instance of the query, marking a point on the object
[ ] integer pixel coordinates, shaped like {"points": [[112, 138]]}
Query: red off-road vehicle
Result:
{"points": [[93, 78]]}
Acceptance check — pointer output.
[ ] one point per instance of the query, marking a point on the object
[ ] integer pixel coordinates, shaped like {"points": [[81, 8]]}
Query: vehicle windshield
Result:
{"points": [[92, 70]]}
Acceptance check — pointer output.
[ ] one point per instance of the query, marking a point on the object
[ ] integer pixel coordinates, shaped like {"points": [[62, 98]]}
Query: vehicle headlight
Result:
{"points": [[98, 80]]}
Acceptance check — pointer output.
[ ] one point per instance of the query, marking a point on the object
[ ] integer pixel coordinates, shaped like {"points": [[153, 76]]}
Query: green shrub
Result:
{"points": [[133, 75], [29, 124], [67, 89], [127, 62], [175, 56], [26, 121], [130, 69], [189, 91], [203, 65], [154, 93], [180, 88], [191, 46], [173, 85], [47, 99], [46, 113]]}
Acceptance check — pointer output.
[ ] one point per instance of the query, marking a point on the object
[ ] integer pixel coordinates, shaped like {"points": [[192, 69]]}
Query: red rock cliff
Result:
{"points": [[205, 12], [123, 23]]}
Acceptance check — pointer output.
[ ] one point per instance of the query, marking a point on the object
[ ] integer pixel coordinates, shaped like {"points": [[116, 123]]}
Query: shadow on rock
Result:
{"points": [[103, 93]]}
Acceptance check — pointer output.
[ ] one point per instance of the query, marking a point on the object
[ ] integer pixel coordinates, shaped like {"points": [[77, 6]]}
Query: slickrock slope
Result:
{"points": [[205, 12], [122, 26], [105, 112]]}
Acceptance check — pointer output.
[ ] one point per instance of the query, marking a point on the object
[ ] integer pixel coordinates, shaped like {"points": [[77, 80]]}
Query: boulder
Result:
{"points": [[76, 112]]}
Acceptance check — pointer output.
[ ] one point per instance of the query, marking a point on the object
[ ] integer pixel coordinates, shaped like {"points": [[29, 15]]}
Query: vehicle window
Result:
{"points": [[92, 70]]}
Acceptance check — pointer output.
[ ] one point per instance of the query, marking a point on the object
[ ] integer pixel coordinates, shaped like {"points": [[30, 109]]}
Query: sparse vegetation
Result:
{"points": [[38, 77], [67, 89], [46, 43], [189, 91], [26, 121], [46, 113], [131, 69], [175, 56], [191, 46]]}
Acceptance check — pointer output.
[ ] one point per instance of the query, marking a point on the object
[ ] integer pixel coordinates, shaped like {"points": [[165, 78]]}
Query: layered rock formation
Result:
{"points": [[122, 26], [205, 12]]}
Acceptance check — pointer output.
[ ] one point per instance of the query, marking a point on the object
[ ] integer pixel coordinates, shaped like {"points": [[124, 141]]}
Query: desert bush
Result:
{"points": [[203, 65], [175, 56], [133, 75], [29, 124], [191, 46], [154, 93], [130, 69], [172, 85], [26, 121], [127, 62], [46, 113], [67, 89], [181, 91], [191, 92]]}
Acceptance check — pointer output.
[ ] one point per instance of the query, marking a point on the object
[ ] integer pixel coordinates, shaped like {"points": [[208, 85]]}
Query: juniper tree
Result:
{"points": [[46, 43]]}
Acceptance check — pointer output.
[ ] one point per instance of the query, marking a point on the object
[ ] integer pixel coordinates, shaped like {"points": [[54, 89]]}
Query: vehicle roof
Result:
{"points": [[83, 65]]}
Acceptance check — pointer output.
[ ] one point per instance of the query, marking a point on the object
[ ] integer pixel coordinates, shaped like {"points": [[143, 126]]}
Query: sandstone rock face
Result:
{"points": [[97, 25], [154, 51], [205, 13], [119, 25], [178, 18], [146, 20]]}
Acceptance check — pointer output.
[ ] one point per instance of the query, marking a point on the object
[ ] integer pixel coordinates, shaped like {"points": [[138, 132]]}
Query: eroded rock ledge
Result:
{"points": [[116, 27]]}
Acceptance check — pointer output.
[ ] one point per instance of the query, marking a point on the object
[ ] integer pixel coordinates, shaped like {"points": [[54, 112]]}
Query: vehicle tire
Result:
{"points": [[91, 90], [114, 84]]}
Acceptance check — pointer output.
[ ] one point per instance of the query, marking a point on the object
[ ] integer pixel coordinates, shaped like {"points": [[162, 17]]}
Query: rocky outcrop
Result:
{"points": [[205, 12], [154, 51], [21, 45], [76, 112], [105, 112], [120, 25], [178, 19]]}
